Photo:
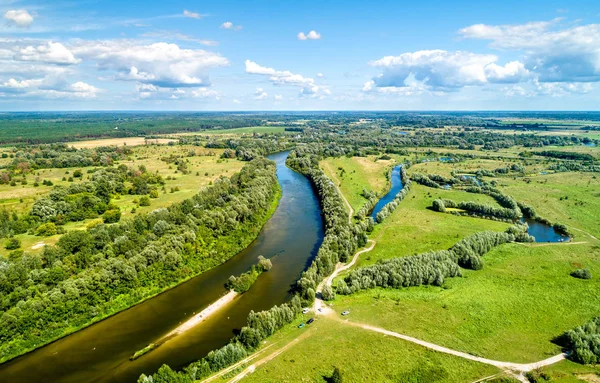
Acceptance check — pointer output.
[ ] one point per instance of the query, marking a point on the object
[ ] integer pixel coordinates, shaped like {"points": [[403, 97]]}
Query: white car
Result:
{"points": [[305, 310], [345, 312]]}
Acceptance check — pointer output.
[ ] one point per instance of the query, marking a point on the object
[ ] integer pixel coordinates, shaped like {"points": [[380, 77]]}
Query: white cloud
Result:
{"points": [[260, 94], [149, 91], [83, 90], [312, 35], [236, 101], [160, 64], [45, 88], [23, 84], [320, 75], [50, 52], [278, 97], [230, 25], [193, 15], [443, 70], [307, 85], [553, 53], [168, 35], [19, 18]]}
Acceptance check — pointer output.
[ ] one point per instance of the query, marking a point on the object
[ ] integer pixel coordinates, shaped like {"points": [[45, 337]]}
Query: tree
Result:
{"points": [[328, 293], [112, 216], [264, 264]]}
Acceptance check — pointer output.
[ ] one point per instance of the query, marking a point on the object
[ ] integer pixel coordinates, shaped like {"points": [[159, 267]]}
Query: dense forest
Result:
{"points": [[93, 273]]}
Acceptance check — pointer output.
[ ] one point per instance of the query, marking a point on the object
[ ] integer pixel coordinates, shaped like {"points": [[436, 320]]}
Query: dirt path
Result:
{"points": [[250, 369], [236, 365], [585, 232]]}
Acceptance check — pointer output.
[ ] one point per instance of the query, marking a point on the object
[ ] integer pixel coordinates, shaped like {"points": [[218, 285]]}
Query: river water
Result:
{"points": [[100, 353], [394, 190]]}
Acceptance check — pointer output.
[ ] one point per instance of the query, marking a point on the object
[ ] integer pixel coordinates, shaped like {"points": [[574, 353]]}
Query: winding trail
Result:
{"points": [[516, 370]]}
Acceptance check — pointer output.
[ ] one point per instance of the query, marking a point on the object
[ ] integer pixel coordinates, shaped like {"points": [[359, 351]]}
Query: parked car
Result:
{"points": [[305, 310], [346, 312], [310, 320], [301, 325]]}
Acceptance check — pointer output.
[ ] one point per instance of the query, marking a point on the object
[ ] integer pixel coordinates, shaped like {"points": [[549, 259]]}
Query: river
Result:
{"points": [[391, 194], [100, 353]]}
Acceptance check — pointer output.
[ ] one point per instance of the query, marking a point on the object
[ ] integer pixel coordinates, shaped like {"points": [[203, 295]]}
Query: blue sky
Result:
{"points": [[327, 55]]}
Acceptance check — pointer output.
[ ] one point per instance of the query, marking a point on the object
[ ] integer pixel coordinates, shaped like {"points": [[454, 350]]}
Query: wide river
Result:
{"points": [[100, 353]]}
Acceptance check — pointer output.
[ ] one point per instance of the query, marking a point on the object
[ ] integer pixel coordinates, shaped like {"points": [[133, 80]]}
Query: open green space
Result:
{"points": [[362, 356]]}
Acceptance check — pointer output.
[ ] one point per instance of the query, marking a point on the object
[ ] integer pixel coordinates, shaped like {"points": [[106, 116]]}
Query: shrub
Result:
{"points": [[12, 244], [582, 274], [153, 193], [46, 229], [111, 216], [144, 201]]}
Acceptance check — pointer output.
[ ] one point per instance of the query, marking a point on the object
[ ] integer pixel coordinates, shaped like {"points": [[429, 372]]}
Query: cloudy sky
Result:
{"points": [[309, 55]]}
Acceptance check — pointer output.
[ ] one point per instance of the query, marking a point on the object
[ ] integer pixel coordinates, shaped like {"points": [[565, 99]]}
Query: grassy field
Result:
{"points": [[247, 130], [571, 198], [361, 356], [355, 174], [413, 229], [509, 311], [204, 168], [127, 141]]}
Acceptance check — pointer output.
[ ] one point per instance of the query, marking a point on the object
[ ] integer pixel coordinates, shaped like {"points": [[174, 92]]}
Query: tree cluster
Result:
{"points": [[584, 342], [95, 272]]}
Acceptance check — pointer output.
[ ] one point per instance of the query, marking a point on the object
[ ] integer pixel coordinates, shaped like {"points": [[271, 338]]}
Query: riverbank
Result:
{"points": [[129, 301]]}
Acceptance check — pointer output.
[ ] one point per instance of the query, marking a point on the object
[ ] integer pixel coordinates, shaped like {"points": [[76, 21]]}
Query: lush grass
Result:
{"points": [[362, 356], [570, 372], [414, 229], [356, 174], [510, 310], [544, 192]]}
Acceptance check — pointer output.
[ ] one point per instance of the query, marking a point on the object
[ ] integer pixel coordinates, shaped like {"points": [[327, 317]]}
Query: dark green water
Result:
{"points": [[100, 353]]}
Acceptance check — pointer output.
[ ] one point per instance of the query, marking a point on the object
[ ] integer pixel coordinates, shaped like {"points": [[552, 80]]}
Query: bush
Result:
{"points": [[583, 341], [46, 230], [12, 244], [111, 216], [144, 201], [582, 274], [153, 193]]}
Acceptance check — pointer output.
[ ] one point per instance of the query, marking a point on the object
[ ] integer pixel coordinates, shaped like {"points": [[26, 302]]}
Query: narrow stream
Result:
{"points": [[391, 194], [100, 353]]}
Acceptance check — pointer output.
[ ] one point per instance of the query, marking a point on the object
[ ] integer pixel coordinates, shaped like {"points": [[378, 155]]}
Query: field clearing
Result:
{"points": [[359, 173], [248, 130], [126, 141], [361, 356], [204, 168], [468, 166], [580, 193], [510, 310], [414, 229]]}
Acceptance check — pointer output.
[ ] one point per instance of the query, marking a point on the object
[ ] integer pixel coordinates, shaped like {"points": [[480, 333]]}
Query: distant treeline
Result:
{"points": [[36, 128]]}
